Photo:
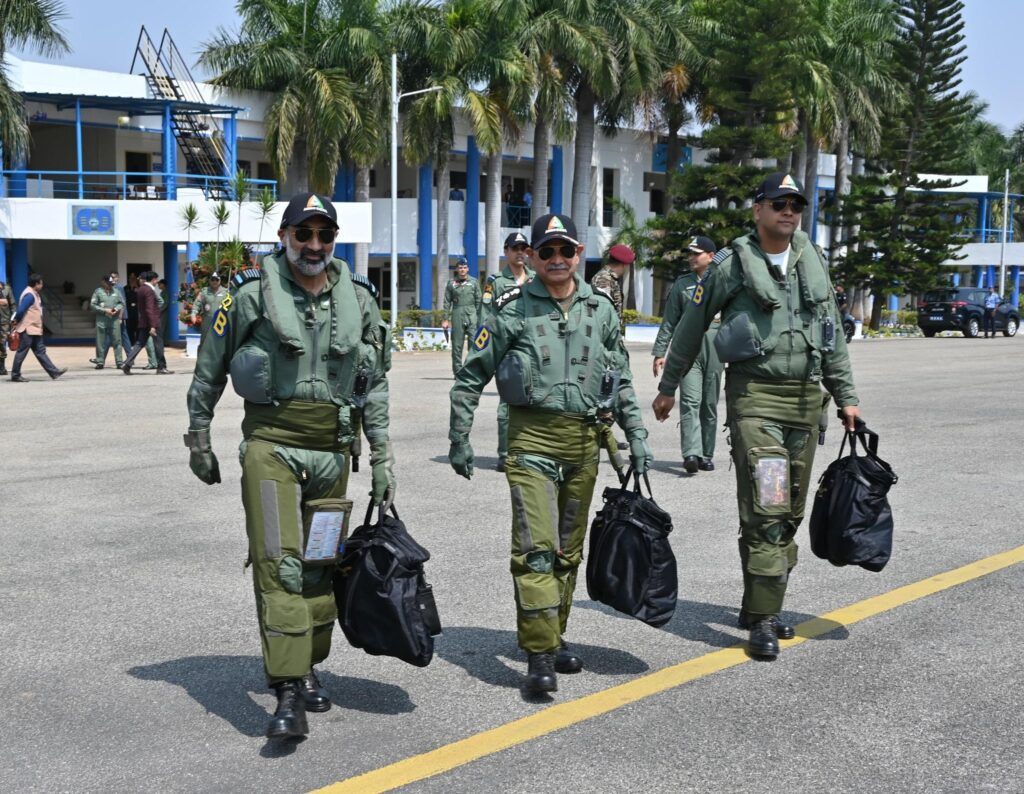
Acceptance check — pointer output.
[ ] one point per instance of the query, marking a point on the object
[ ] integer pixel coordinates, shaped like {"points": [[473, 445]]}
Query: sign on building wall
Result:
{"points": [[93, 220]]}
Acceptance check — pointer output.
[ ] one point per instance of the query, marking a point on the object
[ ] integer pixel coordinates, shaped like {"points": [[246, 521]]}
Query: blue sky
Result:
{"points": [[103, 35]]}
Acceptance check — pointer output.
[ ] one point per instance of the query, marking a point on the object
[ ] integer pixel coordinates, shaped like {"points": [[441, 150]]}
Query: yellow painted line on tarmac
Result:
{"points": [[562, 715]]}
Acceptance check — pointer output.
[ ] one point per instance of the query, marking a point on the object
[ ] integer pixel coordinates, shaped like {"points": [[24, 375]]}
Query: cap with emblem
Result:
{"points": [[553, 227], [461, 261], [622, 254], [779, 185], [215, 277], [516, 238], [304, 206], [701, 245]]}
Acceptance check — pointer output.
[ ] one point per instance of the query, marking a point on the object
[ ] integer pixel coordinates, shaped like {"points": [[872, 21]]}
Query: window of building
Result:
{"points": [[245, 166], [137, 166], [264, 171], [608, 192]]}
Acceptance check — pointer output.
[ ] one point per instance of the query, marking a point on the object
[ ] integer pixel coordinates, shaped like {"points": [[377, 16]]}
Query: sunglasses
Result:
{"points": [[303, 234], [517, 247], [780, 204], [545, 252]]}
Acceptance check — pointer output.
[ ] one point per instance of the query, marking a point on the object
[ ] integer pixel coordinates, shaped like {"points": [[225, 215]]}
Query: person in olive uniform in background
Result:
{"points": [[515, 272], [461, 310], [207, 301], [779, 337], [115, 282], [609, 278], [109, 308], [699, 390], [305, 346], [555, 349], [6, 313]]}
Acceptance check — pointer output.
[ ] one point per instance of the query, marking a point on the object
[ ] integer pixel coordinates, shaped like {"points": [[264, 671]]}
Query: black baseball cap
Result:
{"points": [[779, 185], [304, 206], [701, 245], [516, 238], [215, 277], [553, 227]]}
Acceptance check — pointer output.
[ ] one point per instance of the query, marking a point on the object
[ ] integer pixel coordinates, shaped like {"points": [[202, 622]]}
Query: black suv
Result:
{"points": [[963, 309]]}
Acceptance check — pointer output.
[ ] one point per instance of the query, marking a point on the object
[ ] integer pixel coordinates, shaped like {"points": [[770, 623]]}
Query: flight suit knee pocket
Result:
{"points": [[765, 559], [769, 473], [285, 613], [537, 591], [290, 574]]}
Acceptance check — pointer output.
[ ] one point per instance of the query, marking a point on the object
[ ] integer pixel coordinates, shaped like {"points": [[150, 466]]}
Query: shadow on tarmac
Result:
{"points": [[221, 684], [482, 653]]}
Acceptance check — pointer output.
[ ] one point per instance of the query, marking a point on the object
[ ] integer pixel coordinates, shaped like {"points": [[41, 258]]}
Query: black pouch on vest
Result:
{"points": [[250, 375], [514, 379], [324, 529], [737, 340], [385, 605]]}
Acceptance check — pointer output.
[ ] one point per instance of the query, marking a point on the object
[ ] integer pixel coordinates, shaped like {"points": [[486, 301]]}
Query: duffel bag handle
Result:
{"points": [[380, 513], [631, 472]]}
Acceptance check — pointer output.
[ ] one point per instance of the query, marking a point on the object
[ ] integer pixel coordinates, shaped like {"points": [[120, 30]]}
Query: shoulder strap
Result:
{"points": [[365, 283], [243, 277]]}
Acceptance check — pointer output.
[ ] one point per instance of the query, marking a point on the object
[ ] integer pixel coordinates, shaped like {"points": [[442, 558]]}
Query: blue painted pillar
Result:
{"points": [[170, 157], [1015, 285], [231, 145], [3, 194], [894, 303], [992, 279], [956, 279], [345, 190], [1009, 227], [171, 274], [557, 177], [19, 263], [471, 234], [814, 216], [78, 146], [425, 237], [3, 262], [976, 276], [17, 185], [192, 252], [983, 219]]}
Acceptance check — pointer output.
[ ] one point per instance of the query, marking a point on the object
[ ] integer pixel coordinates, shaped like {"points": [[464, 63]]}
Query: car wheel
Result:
{"points": [[972, 328], [929, 333], [1011, 327]]}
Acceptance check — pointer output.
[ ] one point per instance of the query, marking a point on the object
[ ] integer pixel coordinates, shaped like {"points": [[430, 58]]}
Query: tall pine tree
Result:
{"points": [[904, 232]]}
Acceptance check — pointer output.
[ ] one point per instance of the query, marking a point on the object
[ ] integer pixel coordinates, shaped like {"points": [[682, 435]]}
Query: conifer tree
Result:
{"points": [[904, 232]]}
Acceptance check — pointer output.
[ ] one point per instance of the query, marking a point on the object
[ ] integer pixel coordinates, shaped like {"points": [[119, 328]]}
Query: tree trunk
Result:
{"points": [[441, 263], [541, 156], [856, 169], [362, 250], [582, 161], [673, 152], [492, 214], [810, 178], [799, 162], [297, 175], [841, 189], [787, 164]]}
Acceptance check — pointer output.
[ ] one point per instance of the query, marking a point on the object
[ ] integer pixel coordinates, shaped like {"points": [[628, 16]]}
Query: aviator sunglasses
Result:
{"points": [[795, 204], [545, 252], [303, 234]]}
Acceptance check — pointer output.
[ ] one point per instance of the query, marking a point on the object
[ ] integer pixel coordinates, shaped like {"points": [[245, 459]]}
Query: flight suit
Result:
{"points": [[108, 329], [206, 304], [462, 310], [550, 366], [497, 284], [309, 369], [700, 387], [779, 337]]}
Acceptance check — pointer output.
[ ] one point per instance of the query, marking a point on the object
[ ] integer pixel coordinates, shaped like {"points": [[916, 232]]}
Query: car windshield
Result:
{"points": [[940, 296]]}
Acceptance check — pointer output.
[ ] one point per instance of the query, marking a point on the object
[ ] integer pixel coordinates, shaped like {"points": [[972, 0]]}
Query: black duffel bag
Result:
{"points": [[630, 566], [851, 521], [385, 605]]}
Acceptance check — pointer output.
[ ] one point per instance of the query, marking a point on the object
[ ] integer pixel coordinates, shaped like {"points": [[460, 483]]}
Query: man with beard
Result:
{"points": [[303, 341]]}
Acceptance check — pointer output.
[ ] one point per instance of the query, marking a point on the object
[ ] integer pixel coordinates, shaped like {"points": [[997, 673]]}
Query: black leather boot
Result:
{"points": [[566, 661], [313, 694], [763, 641], [540, 676], [691, 464], [782, 630], [289, 721]]}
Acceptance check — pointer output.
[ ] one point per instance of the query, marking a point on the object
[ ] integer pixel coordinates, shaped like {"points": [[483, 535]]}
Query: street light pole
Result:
{"points": [[1006, 225], [395, 99]]}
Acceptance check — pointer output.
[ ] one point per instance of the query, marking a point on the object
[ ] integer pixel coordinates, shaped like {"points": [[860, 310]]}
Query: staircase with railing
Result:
{"points": [[168, 77]]}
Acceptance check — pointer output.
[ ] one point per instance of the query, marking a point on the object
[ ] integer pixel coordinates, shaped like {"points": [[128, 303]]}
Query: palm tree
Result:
{"points": [[280, 49], [189, 222], [29, 24]]}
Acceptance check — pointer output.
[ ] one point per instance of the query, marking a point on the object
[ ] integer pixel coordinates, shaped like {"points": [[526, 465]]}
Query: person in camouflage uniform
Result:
{"points": [[7, 308], [778, 336], [609, 278]]}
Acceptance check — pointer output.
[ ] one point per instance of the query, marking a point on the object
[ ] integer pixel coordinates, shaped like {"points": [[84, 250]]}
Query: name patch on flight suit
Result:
{"points": [[483, 338]]}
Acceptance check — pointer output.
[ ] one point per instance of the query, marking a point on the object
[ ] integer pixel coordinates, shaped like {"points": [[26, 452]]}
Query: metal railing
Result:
{"points": [[124, 185], [988, 235]]}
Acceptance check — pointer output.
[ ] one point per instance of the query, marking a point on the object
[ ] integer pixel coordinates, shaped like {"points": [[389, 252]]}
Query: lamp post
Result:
{"points": [[395, 99]]}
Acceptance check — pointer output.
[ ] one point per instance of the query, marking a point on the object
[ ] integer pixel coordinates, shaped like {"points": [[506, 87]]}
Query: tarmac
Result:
{"points": [[131, 655]]}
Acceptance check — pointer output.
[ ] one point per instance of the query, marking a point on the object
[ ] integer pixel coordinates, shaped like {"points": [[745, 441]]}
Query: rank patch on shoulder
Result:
{"points": [[698, 295], [483, 338]]}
